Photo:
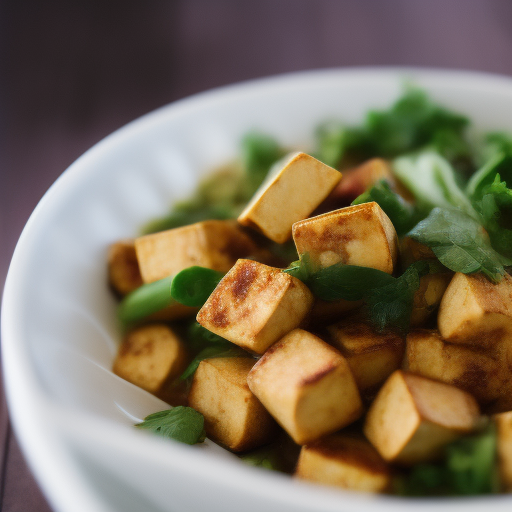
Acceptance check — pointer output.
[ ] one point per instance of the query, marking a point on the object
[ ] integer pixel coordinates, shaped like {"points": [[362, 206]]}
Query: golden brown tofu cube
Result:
{"points": [[483, 375], [357, 235], [344, 461], [372, 356], [307, 386], [123, 267], [289, 196], [413, 418], [254, 305], [428, 297], [504, 436], [215, 244], [355, 181], [233, 415], [149, 356], [411, 251], [475, 311]]}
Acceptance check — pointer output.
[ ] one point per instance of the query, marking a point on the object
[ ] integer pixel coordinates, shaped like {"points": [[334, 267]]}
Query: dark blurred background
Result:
{"points": [[72, 72]]}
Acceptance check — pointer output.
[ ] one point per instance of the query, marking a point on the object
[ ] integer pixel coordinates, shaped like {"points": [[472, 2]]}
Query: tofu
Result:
{"points": [[503, 424], [428, 297], [476, 311], [307, 386], [289, 196], [215, 244], [359, 235], [255, 305], [412, 251], [357, 180], [372, 357], [233, 416], [344, 461], [150, 356], [482, 374], [123, 268], [413, 418]]}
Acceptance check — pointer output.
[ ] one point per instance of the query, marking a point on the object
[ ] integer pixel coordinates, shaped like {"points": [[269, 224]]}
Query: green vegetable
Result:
{"points": [[403, 215], [193, 285], [259, 152], [388, 299], [145, 300], [469, 467], [225, 349], [460, 243], [495, 210], [331, 141], [199, 338], [433, 182], [182, 424], [501, 164]]}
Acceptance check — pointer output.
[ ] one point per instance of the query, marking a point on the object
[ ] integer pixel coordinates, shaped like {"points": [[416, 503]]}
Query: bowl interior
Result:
{"points": [[59, 328]]}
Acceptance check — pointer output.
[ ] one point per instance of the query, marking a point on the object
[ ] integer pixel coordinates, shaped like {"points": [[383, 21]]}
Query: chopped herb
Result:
{"points": [[501, 164], [193, 285], [199, 338], [388, 299], [460, 243], [402, 214], [182, 424]]}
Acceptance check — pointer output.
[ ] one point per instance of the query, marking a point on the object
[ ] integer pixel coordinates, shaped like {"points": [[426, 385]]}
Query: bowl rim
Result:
{"points": [[30, 409]]}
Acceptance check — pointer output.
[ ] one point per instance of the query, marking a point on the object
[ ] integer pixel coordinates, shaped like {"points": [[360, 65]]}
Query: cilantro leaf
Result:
{"points": [[182, 424], [495, 209], [402, 214], [500, 163], [226, 349], [460, 243]]}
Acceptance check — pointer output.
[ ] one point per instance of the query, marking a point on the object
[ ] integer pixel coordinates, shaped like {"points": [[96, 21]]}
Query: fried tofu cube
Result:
{"points": [[233, 415], [413, 418], [428, 297], [307, 386], [412, 251], [215, 244], [477, 312], [359, 235], [503, 424], [483, 375], [255, 305], [289, 196], [344, 461], [355, 181], [372, 356], [150, 356], [123, 267]]}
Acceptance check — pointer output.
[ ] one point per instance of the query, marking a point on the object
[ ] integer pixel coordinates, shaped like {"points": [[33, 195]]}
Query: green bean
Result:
{"points": [[146, 300], [193, 286]]}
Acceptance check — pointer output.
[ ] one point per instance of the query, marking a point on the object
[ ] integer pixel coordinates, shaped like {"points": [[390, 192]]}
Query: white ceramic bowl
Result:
{"points": [[72, 416]]}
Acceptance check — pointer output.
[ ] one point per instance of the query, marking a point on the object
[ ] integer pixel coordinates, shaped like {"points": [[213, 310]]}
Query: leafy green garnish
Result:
{"points": [[193, 285], [412, 123], [198, 337], [468, 468], [402, 214], [145, 300], [226, 349], [182, 424], [460, 243], [500, 163], [388, 299], [433, 181], [259, 152]]}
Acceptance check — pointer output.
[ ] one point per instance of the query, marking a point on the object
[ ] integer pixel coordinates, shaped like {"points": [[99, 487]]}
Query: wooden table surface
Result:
{"points": [[72, 72]]}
